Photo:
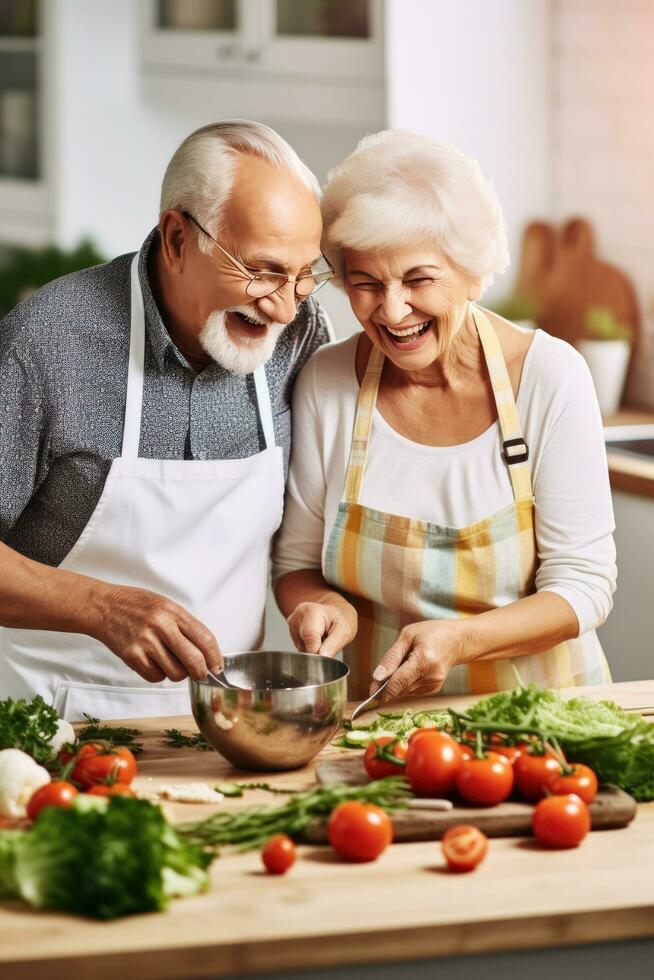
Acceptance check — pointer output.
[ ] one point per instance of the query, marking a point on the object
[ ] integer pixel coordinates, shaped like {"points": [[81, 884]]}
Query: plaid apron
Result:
{"points": [[400, 570]]}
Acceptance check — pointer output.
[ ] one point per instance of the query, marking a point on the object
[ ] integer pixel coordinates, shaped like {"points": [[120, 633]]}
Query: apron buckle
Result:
{"points": [[512, 453]]}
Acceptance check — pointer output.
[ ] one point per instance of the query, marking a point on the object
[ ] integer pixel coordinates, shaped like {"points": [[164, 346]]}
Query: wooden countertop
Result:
{"points": [[631, 474], [328, 913]]}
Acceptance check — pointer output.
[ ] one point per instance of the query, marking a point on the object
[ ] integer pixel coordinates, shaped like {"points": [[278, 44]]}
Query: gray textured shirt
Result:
{"points": [[63, 383]]}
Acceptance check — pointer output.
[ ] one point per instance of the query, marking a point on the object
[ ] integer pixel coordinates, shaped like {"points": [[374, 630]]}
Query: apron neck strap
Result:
{"points": [[134, 400], [265, 407], [362, 425], [514, 448], [515, 451]]}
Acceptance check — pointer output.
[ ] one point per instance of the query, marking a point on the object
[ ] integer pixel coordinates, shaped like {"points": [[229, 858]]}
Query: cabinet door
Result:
{"points": [[329, 38], [19, 52], [192, 33]]}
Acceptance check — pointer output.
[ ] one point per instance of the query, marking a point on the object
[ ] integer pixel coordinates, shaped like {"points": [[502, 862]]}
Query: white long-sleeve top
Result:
{"points": [[456, 486]]}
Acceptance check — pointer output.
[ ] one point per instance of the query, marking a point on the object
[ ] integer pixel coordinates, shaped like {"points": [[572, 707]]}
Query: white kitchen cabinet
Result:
{"points": [[280, 59], [627, 636], [23, 191]]}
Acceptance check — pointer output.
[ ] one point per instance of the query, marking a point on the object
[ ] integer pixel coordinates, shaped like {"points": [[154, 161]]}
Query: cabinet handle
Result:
{"points": [[253, 55], [226, 51]]}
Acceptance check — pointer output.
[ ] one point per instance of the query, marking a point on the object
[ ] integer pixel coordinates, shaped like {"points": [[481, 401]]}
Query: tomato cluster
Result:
{"points": [[92, 768], [437, 765]]}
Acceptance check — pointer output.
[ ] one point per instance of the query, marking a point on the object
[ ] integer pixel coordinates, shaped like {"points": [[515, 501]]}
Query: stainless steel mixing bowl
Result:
{"points": [[290, 706]]}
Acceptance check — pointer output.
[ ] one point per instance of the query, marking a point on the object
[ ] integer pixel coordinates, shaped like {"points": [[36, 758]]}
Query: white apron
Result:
{"points": [[196, 531]]}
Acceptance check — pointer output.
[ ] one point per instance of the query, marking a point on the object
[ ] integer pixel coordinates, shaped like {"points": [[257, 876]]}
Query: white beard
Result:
{"points": [[243, 356]]}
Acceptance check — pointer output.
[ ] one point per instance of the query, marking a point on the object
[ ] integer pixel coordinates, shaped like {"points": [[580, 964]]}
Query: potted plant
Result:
{"points": [[607, 350], [22, 270], [519, 309]]}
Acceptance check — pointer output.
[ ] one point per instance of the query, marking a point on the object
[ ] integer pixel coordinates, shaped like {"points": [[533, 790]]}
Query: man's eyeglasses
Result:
{"points": [[263, 283]]}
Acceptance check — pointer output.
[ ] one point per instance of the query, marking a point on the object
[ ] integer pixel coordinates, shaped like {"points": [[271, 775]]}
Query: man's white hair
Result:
{"points": [[200, 175], [400, 189]]}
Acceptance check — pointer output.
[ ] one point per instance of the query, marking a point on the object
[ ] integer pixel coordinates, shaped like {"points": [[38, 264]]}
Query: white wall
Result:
{"points": [[476, 73], [603, 138]]}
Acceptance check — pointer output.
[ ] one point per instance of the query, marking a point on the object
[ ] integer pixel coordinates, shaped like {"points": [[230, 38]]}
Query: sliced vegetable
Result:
{"points": [[57, 793], [278, 855], [561, 821], [464, 847], [359, 831]]}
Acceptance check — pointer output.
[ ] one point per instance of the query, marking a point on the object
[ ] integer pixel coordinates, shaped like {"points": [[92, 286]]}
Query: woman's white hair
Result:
{"points": [[200, 175], [400, 189]]}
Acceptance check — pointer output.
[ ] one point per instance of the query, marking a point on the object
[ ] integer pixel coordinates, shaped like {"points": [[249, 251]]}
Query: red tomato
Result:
{"points": [[419, 732], [464, 847], [95, 764], [111, 789], [485, 781], [278, 855], [359, 831], [561, 821], [432, 763], [56, 793], [582, 782], [532, 773], [510, 752], [379, 768], [466, 752]]}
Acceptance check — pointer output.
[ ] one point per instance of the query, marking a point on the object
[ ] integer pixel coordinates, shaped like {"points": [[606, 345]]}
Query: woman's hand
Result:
{"points": [[323, 627], [420, 658]]}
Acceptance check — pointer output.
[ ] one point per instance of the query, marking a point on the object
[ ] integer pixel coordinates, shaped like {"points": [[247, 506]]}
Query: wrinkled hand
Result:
{"points": [[420, 659], [322, 627], [155, 636]]}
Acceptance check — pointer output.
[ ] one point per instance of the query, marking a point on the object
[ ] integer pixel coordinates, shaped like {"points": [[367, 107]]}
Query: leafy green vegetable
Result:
{"points": [[400, 724], [111, 734], [28, 726], [251, 827], [177, 740], [617, 744], [103, 857]]}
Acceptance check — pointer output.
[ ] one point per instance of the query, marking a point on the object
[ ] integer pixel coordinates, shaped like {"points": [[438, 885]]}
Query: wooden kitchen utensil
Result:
{"points": [[612, 808]]}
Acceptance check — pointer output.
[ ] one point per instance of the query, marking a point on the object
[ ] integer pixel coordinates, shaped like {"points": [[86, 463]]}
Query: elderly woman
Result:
{"points": [[448, 512]]}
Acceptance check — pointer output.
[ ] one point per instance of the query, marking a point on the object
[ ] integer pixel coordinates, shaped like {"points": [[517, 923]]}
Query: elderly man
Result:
{"points": [[145, 434]]}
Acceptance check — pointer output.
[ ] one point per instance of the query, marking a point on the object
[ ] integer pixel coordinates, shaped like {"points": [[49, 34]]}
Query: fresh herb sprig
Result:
{"points": [[178, 740], [237, 789], [28, 726], [250, 828], [112, 735]]}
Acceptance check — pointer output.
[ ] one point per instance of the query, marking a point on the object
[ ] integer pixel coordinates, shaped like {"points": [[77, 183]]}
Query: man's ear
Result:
{"points": [[175, 239]]}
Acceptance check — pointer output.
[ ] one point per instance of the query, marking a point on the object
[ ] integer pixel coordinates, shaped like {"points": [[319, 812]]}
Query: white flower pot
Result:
{"points": [[607, 361]]}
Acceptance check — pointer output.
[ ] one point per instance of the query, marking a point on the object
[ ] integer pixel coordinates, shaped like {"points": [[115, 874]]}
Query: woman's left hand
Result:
{"points": [[420, 658]]}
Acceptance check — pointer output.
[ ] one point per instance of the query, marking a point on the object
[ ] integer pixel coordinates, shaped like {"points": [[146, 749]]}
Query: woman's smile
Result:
{"points": [[407, 337]]}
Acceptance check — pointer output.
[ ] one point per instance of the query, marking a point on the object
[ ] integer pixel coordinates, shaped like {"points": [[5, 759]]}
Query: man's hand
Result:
{"points": [[323, 627], [154, 636], [420, 659]]}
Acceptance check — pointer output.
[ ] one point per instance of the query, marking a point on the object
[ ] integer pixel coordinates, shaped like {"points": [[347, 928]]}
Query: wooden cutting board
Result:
{"points": [[612, 808]]}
